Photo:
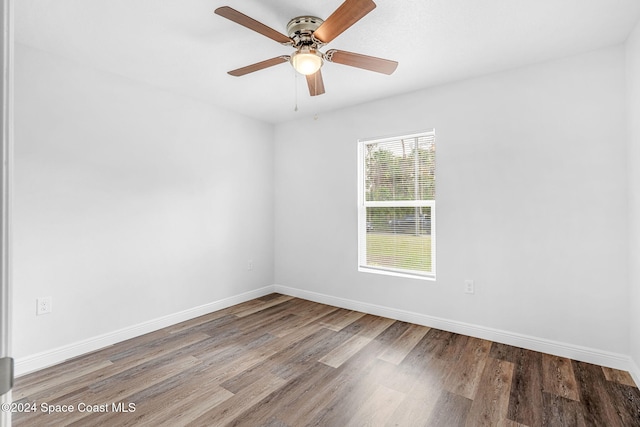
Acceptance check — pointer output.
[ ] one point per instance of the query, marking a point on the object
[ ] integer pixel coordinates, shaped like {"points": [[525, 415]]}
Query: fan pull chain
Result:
{"points": [[295, 90]]}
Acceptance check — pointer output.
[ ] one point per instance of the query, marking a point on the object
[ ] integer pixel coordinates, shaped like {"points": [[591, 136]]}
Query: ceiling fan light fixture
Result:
{"points": [[306, 61]]}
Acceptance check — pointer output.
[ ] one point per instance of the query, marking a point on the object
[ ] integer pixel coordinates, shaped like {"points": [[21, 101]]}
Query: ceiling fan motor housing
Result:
{"points": [[301, 29]]}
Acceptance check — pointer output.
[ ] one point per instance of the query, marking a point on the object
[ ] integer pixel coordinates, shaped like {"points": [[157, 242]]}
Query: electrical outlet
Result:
{"points": [[469, 287], [250, 265], [43, 305]]}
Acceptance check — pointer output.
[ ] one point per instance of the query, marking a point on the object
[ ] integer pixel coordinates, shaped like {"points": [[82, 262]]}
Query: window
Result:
{"points": [[397, 205]]}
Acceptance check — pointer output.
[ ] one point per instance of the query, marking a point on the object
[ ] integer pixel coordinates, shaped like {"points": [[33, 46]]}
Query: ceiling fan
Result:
{"points": [[307, 34]]}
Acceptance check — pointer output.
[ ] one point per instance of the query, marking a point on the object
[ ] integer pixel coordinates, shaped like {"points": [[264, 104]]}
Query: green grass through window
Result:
{"points": [[403, 251]]}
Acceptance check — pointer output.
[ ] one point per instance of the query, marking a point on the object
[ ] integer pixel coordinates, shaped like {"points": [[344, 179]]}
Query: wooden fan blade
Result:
{"points": [[252, 24], [315, 83], [259, 66], [358, 60], [349, 12]]}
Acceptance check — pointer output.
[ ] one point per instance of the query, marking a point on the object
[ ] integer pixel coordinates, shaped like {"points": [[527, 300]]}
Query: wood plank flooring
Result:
{"points": [[279, 361]]}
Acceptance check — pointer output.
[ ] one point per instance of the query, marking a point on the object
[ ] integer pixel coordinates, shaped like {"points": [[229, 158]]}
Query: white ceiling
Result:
{"points": [[181, 45]]}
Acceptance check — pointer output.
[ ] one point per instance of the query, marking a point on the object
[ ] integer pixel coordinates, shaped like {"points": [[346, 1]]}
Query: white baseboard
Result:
{"points": [[42, 360], [613, 360], [634, 370], [583, 354]]}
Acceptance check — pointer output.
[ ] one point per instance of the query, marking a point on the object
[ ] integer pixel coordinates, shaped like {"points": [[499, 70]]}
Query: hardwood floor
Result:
{"points": [[280, 361]]}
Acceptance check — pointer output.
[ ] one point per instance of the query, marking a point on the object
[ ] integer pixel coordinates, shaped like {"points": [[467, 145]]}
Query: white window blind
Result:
{"points": [[397, 205]]}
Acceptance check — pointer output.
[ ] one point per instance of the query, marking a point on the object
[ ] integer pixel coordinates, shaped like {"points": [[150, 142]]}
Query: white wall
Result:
{"points": [[633, 85], [130, 203], [531, 193]]}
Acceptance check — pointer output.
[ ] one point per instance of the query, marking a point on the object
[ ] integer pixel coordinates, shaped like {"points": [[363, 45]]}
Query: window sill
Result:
{"points": [[429, 277]]}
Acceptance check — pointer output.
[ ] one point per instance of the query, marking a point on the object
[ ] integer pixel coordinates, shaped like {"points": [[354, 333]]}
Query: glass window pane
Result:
{"points": [[402, 169], [399, 238]]}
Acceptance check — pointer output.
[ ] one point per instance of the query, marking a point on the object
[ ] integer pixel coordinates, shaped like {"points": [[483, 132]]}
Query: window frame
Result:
{"points": [[363, 204]]}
